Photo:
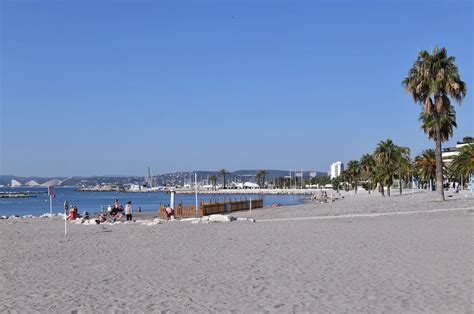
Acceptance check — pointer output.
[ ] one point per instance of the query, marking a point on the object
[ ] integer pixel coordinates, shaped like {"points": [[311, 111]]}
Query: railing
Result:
{"points": [[188, 211]]}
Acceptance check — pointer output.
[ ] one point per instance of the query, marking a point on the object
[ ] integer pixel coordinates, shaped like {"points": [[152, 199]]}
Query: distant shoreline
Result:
{"points": [[253, 191]]}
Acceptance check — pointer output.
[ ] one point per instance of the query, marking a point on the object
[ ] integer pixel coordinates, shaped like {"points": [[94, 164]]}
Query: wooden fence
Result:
{"points": [[188, 211]]}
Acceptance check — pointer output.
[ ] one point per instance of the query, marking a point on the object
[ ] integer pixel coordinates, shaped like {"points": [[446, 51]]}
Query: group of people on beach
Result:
{"points": [[323, 197], [73, 213], [116, 212]]}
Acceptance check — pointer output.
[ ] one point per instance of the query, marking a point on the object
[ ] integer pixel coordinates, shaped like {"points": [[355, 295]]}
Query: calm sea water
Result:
{"points": [[93, 201]]}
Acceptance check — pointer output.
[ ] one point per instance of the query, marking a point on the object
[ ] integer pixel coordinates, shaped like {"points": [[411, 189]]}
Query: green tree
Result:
{"points": [[223, 173], [367, 164], [353, 170], [385, 156], [463, 163], [447, 122], [261, 177], [433, 81], [402, 158], [264, 177], [425, 164], [336, 182], [213, 179]]}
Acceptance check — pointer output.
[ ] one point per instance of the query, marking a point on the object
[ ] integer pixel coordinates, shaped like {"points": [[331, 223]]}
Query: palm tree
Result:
{"points": [[404, 164], [223, 173], [447, 124], [344, 178], [263, 174], [367, 164], [463, 164], [425, 164], [432, 81], [353, 169], [213, 179], [385, 156]]}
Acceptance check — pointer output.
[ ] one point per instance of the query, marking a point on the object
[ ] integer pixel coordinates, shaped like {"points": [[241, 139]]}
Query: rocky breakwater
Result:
{"points": [[17, 194]]}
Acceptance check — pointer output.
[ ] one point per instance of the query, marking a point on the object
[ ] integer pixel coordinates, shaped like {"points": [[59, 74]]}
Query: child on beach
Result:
{"points": [[73, 213], [128, 210], [169, 212]]}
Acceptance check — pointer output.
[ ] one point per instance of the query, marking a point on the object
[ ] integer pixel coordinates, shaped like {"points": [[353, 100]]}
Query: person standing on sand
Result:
{"points": [[128, 210]]}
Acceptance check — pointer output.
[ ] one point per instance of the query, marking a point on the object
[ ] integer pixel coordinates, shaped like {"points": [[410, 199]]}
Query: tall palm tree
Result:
{"points": [[426, 165], [344, 179], [463, 164], [385, 156], [258, 177], [263, 173], [367, 164], [223, 173], [213, 179], [433, 81], [404, 164], [353, 169]]}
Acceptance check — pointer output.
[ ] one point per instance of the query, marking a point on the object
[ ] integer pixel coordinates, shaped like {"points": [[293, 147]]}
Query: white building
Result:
{"points": [[449, 153], [15, 183], [336, 169]]}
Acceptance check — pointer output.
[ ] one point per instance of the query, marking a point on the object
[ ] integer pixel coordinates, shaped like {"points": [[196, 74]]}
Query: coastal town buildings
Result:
{"points": [[15, 183], [336, 169]]}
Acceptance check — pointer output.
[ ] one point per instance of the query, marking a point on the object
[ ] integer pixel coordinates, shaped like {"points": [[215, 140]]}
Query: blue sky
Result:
{"points": [[111, 87]]}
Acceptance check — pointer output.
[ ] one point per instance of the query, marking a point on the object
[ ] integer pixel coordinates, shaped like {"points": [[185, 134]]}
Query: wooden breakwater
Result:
{"points": [[189, 211]]}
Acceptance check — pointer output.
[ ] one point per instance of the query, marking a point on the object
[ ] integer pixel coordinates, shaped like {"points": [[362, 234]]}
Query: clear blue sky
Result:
{"points": [[111, 87]]}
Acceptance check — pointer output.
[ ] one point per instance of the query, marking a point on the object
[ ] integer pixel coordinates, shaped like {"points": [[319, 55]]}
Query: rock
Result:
{"points": [[192, 220], [218, 218]]}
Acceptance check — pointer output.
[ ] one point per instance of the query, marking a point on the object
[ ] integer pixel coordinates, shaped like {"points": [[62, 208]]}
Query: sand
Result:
{"points": [[325, 261]]}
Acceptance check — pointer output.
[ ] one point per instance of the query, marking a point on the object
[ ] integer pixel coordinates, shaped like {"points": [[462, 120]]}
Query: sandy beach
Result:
{"points": [[363, 253]]}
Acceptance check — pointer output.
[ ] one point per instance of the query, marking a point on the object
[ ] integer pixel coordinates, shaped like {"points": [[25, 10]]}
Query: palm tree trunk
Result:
{"points": [[439, 162], [370, 181], [400, 180]]}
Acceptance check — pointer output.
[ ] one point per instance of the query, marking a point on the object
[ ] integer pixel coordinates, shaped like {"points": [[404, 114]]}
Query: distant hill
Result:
{"points": [[162, 179]]}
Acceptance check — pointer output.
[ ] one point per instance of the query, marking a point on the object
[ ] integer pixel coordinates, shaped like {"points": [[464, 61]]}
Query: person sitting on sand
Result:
{"points": [[102, 218], [115, 208], [116, 217]]}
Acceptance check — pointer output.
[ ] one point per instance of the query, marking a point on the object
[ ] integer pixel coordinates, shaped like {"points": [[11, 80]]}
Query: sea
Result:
{"points": [[93, 202]]}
